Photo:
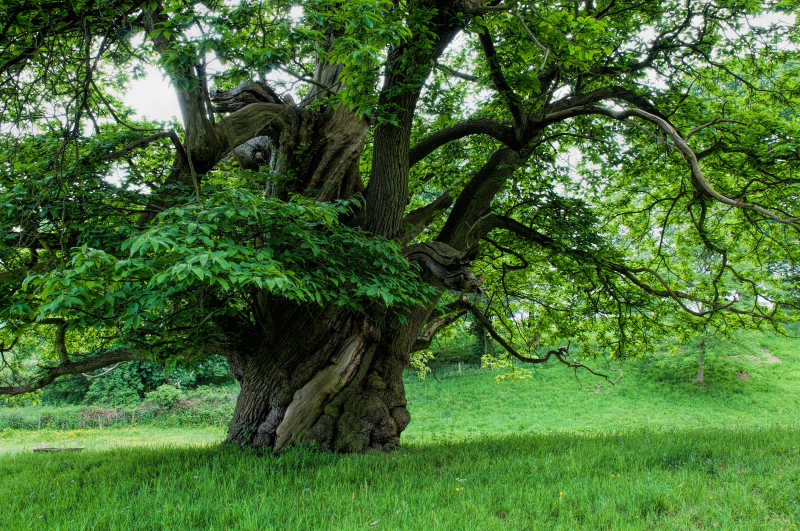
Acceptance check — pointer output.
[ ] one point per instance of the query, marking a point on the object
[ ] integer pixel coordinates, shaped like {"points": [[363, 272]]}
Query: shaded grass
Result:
{"points": [[735, 478]]}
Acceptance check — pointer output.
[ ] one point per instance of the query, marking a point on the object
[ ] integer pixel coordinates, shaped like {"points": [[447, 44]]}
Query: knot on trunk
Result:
{"points": [[246, 93], [443, 266], [254, 153]]}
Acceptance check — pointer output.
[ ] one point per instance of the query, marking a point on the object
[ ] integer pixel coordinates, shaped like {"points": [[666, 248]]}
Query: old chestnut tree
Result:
{"points": [[349, 177]]}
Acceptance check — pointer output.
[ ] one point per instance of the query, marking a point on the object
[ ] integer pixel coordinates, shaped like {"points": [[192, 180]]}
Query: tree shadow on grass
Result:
{"points": [[565, 479]]}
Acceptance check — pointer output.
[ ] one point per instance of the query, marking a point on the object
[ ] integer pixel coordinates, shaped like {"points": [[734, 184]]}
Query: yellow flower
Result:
{"points": [[458, 489]]}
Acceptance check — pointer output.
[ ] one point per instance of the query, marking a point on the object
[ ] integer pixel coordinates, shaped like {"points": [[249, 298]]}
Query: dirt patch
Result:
{"points": [[773, 359], [742, 375]]}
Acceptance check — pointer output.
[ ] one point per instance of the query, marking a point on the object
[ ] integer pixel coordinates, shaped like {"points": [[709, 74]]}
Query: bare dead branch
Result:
{"points": [[94, 376]]}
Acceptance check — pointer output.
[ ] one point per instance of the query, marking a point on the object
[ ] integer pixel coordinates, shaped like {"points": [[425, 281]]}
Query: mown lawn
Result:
{"points": [[544, 453]]}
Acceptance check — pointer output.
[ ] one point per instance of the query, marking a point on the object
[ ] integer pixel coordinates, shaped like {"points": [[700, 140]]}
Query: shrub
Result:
{"points": [[166, 396], [126, 384]]}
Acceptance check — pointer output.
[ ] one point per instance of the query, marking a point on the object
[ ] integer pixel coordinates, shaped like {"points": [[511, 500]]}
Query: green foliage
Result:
{"points": [[202, 406], [125, 385], [726, 364], [200, 260], [130, 382], [420, 363], [70, 389], [164, 396], [130, 247]]}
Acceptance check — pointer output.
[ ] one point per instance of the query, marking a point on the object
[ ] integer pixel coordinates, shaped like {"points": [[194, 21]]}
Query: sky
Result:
{"points": [[153, 97]]}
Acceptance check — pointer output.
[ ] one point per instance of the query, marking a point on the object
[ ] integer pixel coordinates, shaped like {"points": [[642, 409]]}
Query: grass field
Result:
{"points": [[544, 453]]}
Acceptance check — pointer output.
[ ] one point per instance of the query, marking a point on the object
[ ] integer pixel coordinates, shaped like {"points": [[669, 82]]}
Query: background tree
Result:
{"points": [[314, 215]]}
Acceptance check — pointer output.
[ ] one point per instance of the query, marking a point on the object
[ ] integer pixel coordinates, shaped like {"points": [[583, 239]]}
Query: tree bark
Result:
{"points": [[701, 358], [331, 380]]}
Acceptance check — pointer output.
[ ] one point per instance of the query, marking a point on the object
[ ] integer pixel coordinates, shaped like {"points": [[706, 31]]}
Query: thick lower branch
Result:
{"points": [[475, 126], [49, 374], [416, 221], [443, 266], [433, 326]]}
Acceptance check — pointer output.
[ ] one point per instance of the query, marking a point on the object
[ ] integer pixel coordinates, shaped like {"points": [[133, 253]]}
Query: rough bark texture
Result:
{"points": [[332, 380], [327, 376]]}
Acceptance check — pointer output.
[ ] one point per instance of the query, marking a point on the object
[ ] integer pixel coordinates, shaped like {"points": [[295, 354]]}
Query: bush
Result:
{"points": [[166, 406], [128, 383], [165, 396], [70, 389]]}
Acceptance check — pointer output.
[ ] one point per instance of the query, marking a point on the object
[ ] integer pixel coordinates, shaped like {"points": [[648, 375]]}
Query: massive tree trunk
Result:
{"points": [[331, 379], [327, 376], [311, 375]]}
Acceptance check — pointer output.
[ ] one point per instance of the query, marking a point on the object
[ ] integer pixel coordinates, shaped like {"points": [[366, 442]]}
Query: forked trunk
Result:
{"points": [[309, 375], [332, 380]]}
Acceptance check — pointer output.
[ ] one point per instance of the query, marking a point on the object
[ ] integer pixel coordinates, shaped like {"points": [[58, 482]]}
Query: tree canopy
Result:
{"points": [[602, 172]]}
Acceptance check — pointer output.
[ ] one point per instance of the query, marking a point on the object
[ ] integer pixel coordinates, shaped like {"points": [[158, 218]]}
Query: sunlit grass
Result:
{"points": [[16, 441]]}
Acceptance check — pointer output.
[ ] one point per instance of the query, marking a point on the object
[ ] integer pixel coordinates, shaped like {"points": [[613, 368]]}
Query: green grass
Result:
{"points": [[544, 453], [729, 478]]}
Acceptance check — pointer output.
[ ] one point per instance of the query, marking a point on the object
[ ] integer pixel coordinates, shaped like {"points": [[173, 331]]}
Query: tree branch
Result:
{"points": [[498, 79], [630, 274], [560, 353], [433, 326], [475, 126], [700, 182], [415, 221], [98, 361], [456, 73], [136, 143]]}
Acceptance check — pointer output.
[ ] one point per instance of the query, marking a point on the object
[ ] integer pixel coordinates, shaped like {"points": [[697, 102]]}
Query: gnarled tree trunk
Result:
{"points": [[331, 379], [328, 376]]}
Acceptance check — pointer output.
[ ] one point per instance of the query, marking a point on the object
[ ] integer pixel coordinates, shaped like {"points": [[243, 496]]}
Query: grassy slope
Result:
{"points": [[543, 453]]}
